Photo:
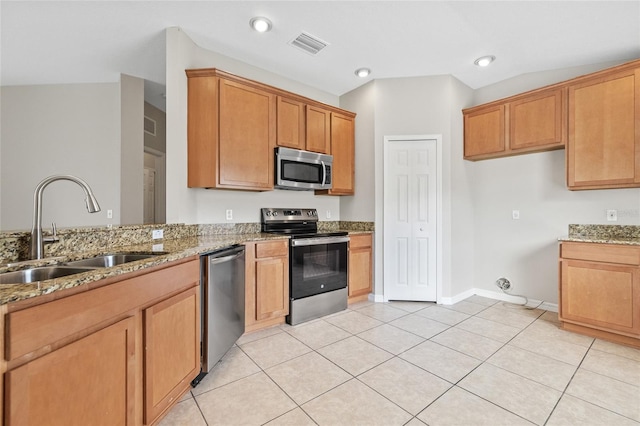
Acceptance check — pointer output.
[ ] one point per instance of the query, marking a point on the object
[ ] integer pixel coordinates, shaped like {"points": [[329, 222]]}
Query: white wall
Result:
{"points": [[59, 129], [526, 250], [414, 106], [193, 205], [132, 150], [361, 206]]}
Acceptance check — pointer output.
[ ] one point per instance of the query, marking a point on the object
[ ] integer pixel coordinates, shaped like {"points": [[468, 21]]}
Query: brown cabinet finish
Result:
{"points": [[231, 132], [599, 292], [360, 267], [83, 355], [538, 121], [172, 350], [531, 122], [318, 129], [88, 382], [603, 148], [267, 283], [234, 124], [291, 123], [343, 151], [484, 135], [247, 137]]}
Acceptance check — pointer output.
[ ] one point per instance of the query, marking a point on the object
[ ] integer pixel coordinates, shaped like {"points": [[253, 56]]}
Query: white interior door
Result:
{"points": [[410, 220]]}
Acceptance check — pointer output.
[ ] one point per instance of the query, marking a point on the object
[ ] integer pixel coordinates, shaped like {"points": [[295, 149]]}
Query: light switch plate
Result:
{"points": [[515, 214], [156, 234], [612, 215]]}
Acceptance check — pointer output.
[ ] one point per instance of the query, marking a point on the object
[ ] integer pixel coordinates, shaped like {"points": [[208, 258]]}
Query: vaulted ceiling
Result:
{"points": [[51, 42]]}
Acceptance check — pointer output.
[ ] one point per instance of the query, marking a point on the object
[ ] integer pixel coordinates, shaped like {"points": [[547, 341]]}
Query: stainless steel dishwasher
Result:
{"points": [[222, 300]]}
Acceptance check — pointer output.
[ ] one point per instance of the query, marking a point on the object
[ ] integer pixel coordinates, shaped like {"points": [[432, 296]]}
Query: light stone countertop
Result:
{"points": [[171, 250], [604, 234]]}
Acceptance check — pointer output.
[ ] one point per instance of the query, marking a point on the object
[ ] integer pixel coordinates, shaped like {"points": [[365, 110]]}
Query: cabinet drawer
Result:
{"points": [[360, 241], [609, 253], [272, 249]]}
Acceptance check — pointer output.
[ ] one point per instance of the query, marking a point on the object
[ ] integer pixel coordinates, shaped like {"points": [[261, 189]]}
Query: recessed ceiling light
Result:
{"points": [[260, 24], [484, 60], [363, 72]]}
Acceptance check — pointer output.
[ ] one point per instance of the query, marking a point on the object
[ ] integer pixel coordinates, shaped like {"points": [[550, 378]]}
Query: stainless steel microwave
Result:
{"points": [[302, 170]]}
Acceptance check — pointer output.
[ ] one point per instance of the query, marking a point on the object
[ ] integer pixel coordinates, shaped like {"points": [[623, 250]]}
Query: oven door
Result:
{"points": [[317, 265]]}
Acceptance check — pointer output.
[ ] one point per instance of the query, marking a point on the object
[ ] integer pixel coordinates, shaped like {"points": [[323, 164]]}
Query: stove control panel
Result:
{"points": [[276, 214]]}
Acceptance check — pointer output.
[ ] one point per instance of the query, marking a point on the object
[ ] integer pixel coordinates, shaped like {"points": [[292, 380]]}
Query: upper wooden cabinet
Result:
{"points": [[234, 124], [603, 149], [291, 123], [531, 122], [318, 129], [484, 135], [343, 151], [231, 132]]}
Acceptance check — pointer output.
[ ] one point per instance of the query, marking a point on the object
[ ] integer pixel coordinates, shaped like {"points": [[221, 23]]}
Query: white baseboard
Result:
{"points": [[553, 307]]}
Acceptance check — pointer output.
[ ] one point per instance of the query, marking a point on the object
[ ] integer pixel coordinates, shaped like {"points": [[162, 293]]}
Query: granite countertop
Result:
{"points": [[170, 250], [604, 234]]}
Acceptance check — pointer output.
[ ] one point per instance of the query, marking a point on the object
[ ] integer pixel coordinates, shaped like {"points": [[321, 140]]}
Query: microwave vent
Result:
{"points": [[309, 43]]}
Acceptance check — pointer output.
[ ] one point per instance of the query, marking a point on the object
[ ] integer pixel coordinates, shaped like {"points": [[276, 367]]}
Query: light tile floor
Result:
{"points": [[478, 362]]}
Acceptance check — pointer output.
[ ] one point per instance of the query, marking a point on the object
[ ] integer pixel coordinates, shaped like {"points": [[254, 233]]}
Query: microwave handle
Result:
{"points": [[324, 173]]}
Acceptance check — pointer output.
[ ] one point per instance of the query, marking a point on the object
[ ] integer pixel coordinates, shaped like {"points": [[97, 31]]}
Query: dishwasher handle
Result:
{"points": [[217, 260]]}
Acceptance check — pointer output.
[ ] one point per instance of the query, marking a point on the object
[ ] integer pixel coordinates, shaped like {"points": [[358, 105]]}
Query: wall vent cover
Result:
{"points": [[149, 126], [309, 43]]}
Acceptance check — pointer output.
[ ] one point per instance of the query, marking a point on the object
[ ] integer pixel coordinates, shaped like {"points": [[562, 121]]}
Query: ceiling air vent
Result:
{"points": [[308, 43]]}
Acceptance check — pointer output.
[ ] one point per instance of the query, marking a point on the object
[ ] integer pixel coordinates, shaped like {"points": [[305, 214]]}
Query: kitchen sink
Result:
{"points": [[108, 260], [40, 274]]}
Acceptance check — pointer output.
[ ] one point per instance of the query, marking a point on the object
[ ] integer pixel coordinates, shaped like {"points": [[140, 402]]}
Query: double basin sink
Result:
{"points": [[43, 273]]}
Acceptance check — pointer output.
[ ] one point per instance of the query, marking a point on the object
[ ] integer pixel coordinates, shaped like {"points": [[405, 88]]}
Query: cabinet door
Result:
{"points": [[603, 295], [360, 265], [272, 288], [603, 149], [538, 121], [343, 151], [484, 133], [318, 130], [172, 350], [247, 137], [88, 382], [291, 123]]}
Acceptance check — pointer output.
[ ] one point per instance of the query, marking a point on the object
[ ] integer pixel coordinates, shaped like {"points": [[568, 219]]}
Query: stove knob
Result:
{"points": [[275, 213]]}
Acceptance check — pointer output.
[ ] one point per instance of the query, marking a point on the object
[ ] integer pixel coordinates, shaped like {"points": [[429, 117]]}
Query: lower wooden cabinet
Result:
{"points": [[267, 283], [360, 266], [88, 382], [172, 350], [121, 353], [600, 290]]}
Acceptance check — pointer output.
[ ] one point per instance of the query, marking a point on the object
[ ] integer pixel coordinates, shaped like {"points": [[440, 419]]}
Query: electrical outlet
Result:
{"points": [[612, 215], [156, 234], [229, 214], [109, 214], [328, 214], [515, 214]]}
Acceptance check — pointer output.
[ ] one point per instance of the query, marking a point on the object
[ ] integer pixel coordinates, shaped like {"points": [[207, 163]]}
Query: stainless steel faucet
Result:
{"points": [[37, 240]]}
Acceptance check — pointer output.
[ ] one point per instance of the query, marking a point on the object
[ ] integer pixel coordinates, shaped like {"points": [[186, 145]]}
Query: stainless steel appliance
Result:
{"points": [[222, 299], [318, 263], [302, 170]]}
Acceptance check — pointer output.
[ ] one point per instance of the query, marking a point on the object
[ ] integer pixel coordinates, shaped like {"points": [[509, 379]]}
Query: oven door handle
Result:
{"points": [[318, 241]]}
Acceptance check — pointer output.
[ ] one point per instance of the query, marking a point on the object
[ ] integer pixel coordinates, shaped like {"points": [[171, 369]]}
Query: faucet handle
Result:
{"points": [[54, 234]]}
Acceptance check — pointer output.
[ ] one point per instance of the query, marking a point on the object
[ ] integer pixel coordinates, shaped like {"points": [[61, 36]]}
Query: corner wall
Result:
{"points": [[526, 250], [59, 129]]}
